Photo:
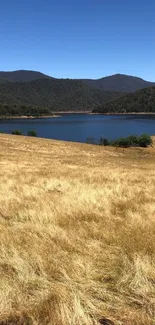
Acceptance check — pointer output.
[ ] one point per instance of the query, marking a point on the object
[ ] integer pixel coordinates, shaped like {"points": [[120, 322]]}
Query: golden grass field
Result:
{"points": [[77, 233]]}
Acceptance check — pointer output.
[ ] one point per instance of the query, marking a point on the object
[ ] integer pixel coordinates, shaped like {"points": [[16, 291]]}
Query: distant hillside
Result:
{"points": [[119, 82], [115, 83], [2, 81], [46, 95], [140, 101], [22, 75], [31, 92]]}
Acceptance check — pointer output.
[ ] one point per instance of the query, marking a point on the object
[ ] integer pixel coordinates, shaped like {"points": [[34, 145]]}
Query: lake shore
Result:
{"points": [[91, 113], [60, 113], [53, 115], [132, 113], [29, 117]]}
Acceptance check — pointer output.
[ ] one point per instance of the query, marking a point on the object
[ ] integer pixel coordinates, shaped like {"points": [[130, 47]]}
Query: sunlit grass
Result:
{"points": [[77, 233]]}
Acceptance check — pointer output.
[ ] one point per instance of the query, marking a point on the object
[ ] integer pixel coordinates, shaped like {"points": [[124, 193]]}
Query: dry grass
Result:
{"points": [[77, 233]]}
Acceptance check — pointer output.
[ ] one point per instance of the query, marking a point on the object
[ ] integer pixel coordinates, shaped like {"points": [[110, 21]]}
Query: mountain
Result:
{"points": [[119, 83], [22, 75], [115, 83], [31, 92], [141, 101], [45, 95]]}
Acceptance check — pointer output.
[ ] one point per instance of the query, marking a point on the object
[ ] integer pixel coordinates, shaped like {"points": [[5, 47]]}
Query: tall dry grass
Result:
{"points": [[77, 234]]}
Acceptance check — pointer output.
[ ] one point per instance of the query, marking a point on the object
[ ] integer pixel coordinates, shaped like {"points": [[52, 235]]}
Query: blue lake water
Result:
{"points": [[79, 127]]}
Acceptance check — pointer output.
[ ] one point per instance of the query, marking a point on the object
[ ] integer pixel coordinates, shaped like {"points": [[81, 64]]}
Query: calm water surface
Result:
{"points": [[79, 127]]}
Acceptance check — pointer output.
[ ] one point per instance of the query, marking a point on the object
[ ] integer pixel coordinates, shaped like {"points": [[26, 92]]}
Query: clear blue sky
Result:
{"points": [[78, 38]]}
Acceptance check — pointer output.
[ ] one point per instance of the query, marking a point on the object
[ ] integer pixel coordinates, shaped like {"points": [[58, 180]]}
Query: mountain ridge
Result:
{"points": [[116, 83], [120, 83], [23, 75]]}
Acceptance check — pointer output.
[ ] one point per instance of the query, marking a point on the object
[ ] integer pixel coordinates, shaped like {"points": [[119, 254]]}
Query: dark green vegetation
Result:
{"points": [[11, 110], [33, 93], [41, 97], [16, 132], [143, 140], [2, 81], [140, 101], [31, 133]]}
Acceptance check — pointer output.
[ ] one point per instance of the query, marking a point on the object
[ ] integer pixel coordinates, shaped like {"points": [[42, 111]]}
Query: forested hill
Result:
{"points": [[26, 92], [22, 75], [120, 82], [46, 95], [140, 101]]}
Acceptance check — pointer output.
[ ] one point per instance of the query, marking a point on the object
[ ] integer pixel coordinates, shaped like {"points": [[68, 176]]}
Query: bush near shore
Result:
{"points": [[143, 140], [31, 133]]}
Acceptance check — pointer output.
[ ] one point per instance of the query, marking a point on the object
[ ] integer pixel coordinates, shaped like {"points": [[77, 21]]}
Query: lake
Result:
{"points": [[79, 127]]}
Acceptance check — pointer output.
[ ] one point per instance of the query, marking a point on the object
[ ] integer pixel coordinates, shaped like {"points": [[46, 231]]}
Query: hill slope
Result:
{"points": [[120, 83], [140, 101], [76, 246], [30, 92], [117, 82], [51, 94], [22, 75], [3, 81]]}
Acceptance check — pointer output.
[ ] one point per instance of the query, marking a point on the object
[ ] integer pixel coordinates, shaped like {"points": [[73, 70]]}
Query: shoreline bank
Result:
{"points": [[58, 114], [132, 113], [29, 117]]}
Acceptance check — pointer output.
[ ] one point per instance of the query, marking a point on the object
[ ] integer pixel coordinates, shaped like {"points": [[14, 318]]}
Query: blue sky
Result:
{"points": [[78, 38]]}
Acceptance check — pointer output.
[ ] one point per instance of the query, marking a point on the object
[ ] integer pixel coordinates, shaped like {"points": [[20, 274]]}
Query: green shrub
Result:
{"points": [[134, 140], [104, 142], [32, 133], [131, 141], [16, 132], [144, 140], [122, 142]]}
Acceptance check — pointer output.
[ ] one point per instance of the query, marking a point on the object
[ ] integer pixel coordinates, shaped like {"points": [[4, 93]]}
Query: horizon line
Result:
{"points": [[106, 76]]}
